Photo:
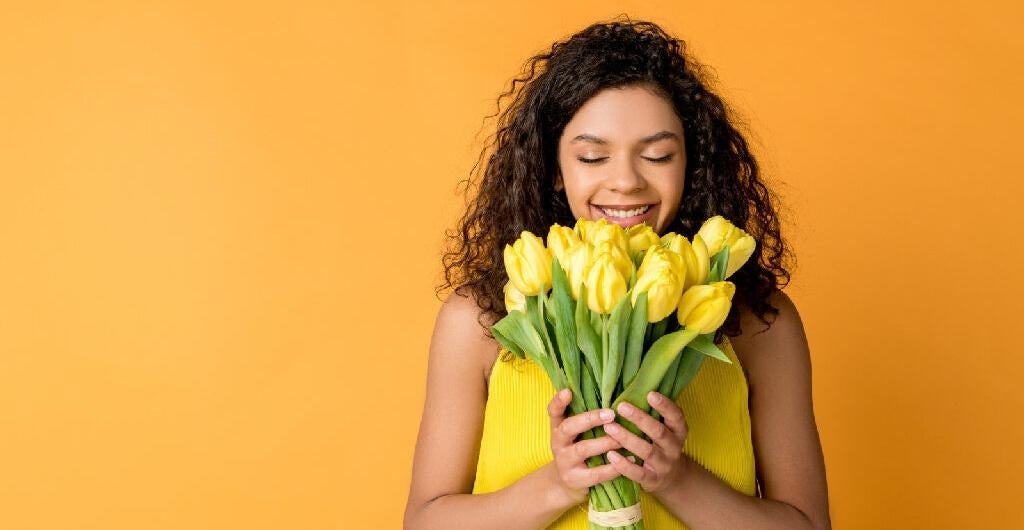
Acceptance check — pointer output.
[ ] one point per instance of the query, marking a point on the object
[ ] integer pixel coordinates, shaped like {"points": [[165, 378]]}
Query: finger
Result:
{"points": [[556, 411], [630, 441], [654, 429], [572, 426], [638, 474], [585, 449], [602, 473], [675, 420]]}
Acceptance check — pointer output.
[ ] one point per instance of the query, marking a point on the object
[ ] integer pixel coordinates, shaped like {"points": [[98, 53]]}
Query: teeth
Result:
{"points": [[624, 213]]}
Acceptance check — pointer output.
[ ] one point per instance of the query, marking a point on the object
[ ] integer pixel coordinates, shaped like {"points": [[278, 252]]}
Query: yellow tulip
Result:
{"points": [[602, 231], [658, 257], [705, 307], [514, 299], [619, 257], [640, 237], [605, 284], [560, 239], [719, 233], [695, 256], [528, 264], [716, 232], [661, 276], [739, 252], [577, 258]]}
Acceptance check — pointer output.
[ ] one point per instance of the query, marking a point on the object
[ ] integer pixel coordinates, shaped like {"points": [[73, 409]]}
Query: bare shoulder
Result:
{"points": [[448, 443], [461, 316], [787, 449], [759, 345]]}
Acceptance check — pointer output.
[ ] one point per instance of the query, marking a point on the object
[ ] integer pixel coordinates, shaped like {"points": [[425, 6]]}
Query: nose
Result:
{"points": [[626, 178]]}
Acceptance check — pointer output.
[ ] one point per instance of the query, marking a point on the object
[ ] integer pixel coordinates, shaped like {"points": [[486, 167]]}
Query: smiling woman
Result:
{"points": [[617, 122]]}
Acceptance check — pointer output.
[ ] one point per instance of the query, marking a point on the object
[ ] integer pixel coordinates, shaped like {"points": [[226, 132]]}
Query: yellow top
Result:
{"points": [[516, 437]]}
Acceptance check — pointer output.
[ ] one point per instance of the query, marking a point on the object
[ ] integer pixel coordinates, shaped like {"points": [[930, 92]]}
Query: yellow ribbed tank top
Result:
{"points": [[516, 438]]}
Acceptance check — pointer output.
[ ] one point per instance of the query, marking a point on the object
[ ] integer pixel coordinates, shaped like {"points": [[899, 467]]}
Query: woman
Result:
{"points": [[617, 122]]}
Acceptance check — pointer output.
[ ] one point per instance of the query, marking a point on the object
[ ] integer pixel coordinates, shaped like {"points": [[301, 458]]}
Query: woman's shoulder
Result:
{"points": [[779, 345], [461, 321]]}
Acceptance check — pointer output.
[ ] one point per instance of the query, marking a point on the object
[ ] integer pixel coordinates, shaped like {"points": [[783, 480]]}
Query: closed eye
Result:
{"points": [[662, 160]]}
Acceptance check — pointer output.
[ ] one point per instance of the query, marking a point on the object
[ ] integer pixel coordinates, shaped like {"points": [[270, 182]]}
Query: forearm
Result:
{"points": [[705, 502], [530, 503]]}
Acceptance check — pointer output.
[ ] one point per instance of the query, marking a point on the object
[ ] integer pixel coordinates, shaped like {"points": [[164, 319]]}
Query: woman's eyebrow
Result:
{"points": [[585, 137]]}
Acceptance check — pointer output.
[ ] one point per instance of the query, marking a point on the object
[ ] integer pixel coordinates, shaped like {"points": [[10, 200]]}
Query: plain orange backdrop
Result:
{"points": [[221, 224]]}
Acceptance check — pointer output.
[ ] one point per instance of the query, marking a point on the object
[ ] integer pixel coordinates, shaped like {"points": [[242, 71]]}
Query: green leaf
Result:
{"points": [[589, 387], [652, 371], [586, 337], [561, 307], [504, 340], [618, 327], [706, 344], [689, 363], [719, 264], [635, 342], [517, 327]]}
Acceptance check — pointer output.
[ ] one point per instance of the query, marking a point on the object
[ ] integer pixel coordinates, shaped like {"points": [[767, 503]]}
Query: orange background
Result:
{"points": [[221, 228]]}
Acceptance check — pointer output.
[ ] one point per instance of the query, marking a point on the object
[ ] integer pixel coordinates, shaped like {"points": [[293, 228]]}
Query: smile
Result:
{"points": [[626, 217]]}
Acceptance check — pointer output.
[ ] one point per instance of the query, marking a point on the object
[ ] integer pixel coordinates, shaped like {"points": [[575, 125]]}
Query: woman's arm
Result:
{"points": [[444, 465], [788, 453]]}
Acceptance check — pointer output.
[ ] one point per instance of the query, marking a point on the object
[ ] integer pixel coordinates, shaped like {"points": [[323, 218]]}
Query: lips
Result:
{"points": [[647, 216]]}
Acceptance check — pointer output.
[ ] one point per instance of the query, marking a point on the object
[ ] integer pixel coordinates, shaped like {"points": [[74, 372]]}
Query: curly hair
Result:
{"points": [[517, 190]]}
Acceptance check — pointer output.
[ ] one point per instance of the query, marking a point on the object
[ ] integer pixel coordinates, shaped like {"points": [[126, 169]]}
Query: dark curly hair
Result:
{"points": [[517, 190]]}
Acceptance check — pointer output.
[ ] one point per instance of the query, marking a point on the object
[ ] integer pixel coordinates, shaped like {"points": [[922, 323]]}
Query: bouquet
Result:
{"points": [[613, 313]]}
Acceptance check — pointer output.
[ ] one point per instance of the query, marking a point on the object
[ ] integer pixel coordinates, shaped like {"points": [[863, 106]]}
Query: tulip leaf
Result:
{"points": [[652, 371], [719, 265], [706, 344], [517, 327], [565, 332], [502, 339], [586, 337], [618, 328], [667, 382], [589, 386], [635, 342], [690, 362]]}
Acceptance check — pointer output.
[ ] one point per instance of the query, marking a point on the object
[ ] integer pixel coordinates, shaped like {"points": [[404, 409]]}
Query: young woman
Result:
{"points": [[618, 122]]}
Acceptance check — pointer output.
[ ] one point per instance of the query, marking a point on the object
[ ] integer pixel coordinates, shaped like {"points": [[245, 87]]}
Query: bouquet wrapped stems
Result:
{"points": [[628, 312]]}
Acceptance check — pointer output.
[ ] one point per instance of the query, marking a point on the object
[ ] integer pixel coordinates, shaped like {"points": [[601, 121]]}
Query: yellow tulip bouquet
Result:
{"points": [[613, 313]]}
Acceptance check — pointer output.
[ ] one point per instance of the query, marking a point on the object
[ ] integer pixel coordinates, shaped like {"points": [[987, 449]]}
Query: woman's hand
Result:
{"points": [[574, 477], [663, 459]]}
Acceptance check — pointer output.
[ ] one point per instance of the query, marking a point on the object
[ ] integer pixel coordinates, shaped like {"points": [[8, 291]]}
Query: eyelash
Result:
{"points": [[663, 160]]}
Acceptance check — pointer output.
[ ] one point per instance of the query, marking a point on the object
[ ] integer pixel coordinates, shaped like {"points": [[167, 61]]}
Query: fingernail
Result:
{"points": [[607, 414], [653, 397], [611, 427], [625, 408]]}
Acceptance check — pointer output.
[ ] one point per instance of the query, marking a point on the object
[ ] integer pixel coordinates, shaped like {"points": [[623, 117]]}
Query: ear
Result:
{"points": [[558, 182]]}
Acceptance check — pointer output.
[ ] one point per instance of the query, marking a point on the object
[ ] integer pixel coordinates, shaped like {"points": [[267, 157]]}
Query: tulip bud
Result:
{"points": [[605, 284], [739, 253], [695, 256], [577, 259], [715, 232], [640, 237], [705, 307], [618, 256], [514, 299], [718, 233], [528, 264], [661, 279], [601, 231], [560, 239]]}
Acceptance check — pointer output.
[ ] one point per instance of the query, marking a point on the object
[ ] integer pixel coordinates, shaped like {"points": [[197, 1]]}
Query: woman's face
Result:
{"points": [[622, 157]]}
